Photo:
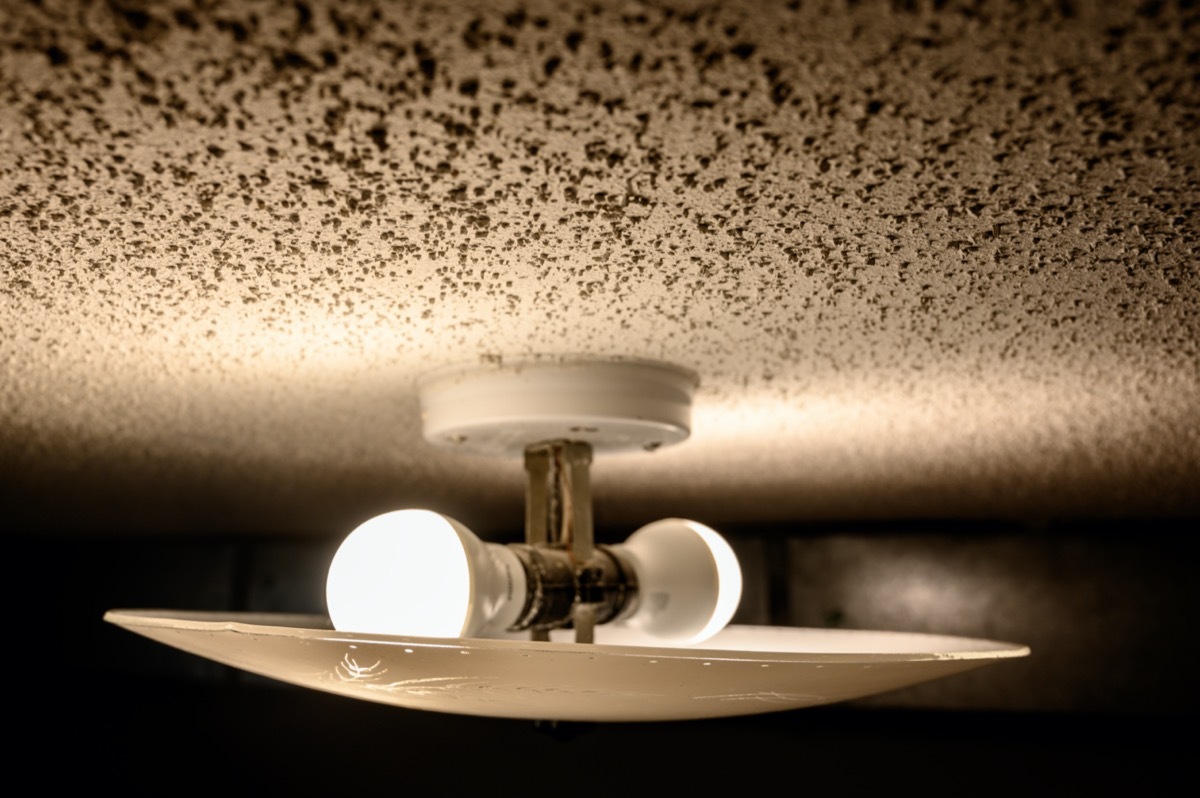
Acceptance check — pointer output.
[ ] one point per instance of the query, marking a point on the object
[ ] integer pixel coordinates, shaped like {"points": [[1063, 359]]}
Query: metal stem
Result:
{"points": [[558, 514]]}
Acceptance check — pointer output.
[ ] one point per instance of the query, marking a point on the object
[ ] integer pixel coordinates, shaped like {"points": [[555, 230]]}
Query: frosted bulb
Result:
{"points": [[689, 580], [414, 572]]}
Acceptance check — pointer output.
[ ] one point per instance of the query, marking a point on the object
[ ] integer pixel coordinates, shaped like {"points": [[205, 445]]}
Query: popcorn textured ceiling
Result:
{"points": [[928, 258]]}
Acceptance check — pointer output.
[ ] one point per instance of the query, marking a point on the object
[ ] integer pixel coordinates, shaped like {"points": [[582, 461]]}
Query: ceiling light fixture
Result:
{"points": [[426, 615]]}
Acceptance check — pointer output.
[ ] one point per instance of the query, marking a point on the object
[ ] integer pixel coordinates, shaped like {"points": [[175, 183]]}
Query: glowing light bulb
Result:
{"points": [[414, 572], [689, 580]]}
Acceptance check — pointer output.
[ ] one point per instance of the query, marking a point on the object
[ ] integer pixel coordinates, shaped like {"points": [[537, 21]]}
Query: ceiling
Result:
{"points": [[929, 259]]}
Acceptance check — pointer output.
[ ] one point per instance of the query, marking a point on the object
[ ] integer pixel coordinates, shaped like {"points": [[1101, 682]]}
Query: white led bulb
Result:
{"points": [[414, 572], [417, 573], [689, 580]]}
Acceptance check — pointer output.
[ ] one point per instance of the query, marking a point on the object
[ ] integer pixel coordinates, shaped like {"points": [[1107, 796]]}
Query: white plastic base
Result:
{"points": [[611, 404]]}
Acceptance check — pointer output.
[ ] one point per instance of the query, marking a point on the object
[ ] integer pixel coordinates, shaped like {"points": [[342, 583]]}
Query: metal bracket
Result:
{"points": [[558, 515]]}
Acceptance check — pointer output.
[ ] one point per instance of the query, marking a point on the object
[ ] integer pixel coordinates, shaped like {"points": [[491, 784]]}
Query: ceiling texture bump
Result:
{"points": [[929, 259]]}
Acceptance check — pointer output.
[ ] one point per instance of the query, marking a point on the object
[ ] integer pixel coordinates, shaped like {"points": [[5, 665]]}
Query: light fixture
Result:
{"points": [[426, 615], [415, 572]]}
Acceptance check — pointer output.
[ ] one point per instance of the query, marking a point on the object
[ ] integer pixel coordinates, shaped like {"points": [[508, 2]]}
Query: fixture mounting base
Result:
{"points": [[503, 407]]}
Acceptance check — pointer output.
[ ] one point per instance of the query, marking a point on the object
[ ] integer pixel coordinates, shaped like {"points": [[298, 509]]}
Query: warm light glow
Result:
{"points": [[406, 573], [729, 581]]}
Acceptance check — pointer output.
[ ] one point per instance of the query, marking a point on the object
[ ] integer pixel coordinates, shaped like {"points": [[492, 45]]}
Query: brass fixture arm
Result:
{"points": [[575, 583]]}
